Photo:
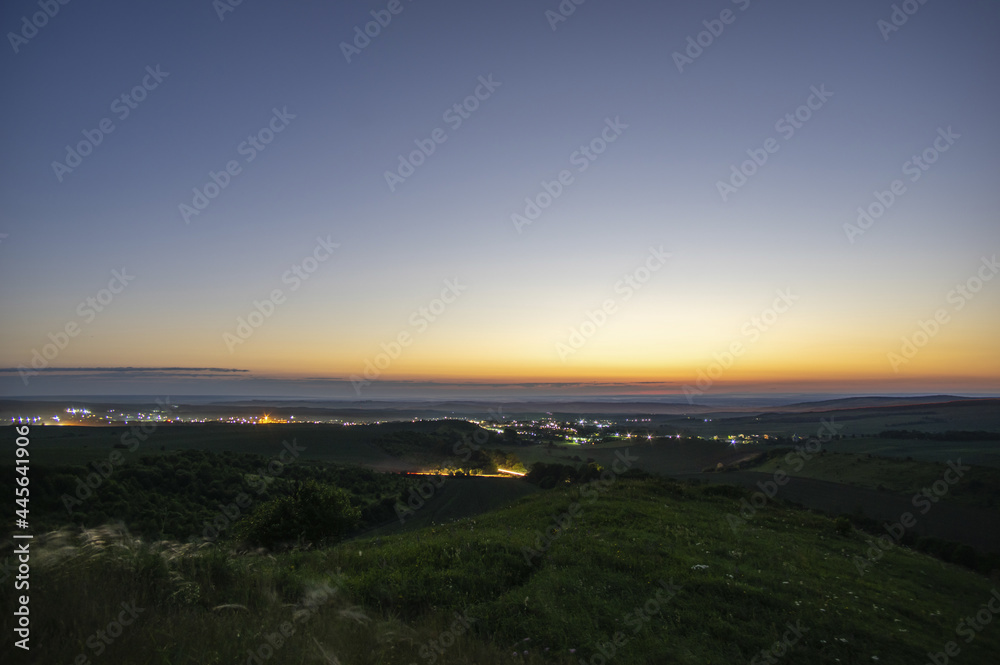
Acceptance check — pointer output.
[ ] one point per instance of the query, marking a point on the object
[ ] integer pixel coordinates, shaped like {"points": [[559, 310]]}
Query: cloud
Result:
{"points": [[134, 370]]}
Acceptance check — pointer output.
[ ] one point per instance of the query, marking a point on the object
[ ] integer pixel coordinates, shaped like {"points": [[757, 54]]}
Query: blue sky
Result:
{"points": [[323, 176]]}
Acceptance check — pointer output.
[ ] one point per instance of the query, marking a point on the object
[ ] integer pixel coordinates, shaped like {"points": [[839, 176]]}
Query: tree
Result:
{"points": [[314, 513]]}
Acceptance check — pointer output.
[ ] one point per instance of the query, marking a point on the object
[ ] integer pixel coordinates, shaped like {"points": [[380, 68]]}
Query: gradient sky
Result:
{"points": [[524, 293]]}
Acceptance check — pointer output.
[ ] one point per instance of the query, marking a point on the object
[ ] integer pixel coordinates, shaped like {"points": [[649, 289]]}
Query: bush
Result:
{"points": [[547, 476], [965, 556], [314, 513], [728, 491]]}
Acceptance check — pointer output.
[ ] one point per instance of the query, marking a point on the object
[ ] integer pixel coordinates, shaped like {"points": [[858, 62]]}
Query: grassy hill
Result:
{"points": [[655, 571], [980, 486], [984, 453], [966, 414]]}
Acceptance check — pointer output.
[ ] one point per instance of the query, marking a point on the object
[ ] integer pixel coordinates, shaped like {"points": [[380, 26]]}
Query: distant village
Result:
{"points": [[547, 430]]}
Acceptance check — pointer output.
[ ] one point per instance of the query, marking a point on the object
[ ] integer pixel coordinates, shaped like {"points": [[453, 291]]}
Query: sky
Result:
{"points": [[622, 197]]}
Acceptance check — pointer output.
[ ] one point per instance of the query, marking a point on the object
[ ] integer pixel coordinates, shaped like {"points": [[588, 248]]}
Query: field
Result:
{"points": [[835, 482], [661, 455], [979, 486], [450, 499], [980, 453], [651, 549], [983, 414], [649, 571]]}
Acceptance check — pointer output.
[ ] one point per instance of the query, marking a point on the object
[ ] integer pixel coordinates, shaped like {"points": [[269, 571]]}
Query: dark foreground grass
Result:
{"points": [[652, 565]]}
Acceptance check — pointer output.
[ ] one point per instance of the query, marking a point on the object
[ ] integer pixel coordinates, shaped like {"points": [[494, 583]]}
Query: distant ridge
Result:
{"points": [[871, 401]]}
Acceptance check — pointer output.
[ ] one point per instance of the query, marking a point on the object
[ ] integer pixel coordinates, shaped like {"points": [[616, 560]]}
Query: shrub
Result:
{"points": [[963, 555], [314, 513], [728, 491]]}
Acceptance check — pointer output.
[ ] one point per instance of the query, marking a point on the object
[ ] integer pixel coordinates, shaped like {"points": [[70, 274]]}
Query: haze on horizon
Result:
{"points": [[484, 199]]}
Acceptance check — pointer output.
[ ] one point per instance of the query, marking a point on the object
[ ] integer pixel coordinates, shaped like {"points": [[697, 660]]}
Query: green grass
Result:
{"points": [[396, 593]]}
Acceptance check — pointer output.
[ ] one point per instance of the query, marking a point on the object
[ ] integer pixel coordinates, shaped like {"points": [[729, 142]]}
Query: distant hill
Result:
{"points": [[401, 411], [870, 401], [957, 415]]}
